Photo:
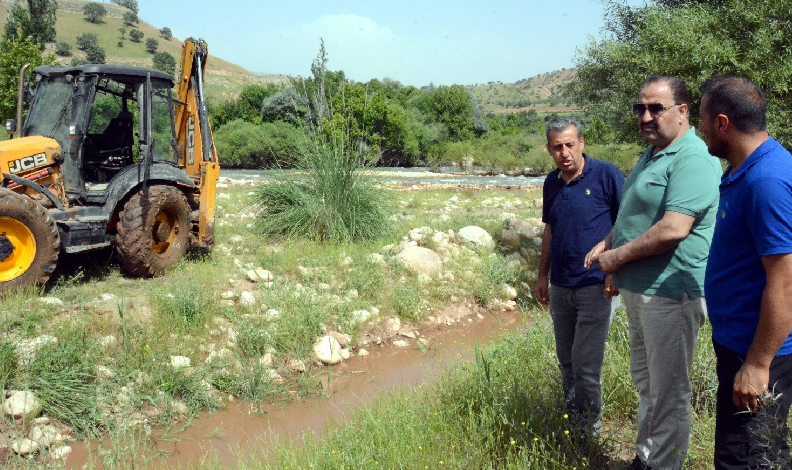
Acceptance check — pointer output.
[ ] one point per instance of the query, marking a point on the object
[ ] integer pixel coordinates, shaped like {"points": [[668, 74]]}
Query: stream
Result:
{"points": [[250, 427]]}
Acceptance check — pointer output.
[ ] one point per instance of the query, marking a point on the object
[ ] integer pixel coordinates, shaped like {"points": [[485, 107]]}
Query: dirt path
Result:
{"points": [[357, 382]]}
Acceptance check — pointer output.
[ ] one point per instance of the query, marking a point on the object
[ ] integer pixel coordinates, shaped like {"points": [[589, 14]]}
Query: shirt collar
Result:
{"points": [[767, 146], [586, 170]]}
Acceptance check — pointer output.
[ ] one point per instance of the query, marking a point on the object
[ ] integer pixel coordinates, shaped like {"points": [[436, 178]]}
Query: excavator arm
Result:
{"points": [[194, 136]]}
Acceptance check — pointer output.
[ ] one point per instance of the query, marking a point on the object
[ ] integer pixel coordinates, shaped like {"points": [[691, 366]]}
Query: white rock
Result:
{"points": [[342, 338], [274, 376], [272, 314], [106, 341], [420, 260], [60, 452], [246, 298], [25, 447], [508, 292], [345, 353], [45, 435], [374, 311], [401, 343], [267, 359], [360, 316], [51, 301], [179, 362], [228, 295], [22, 404], [408, 334], [104, 372], [328, 350], [362, 352], [235, 239], [393, 324], [477, 237], [264, 275], [27, 348], [41, 421], [108, 297], [296, 365], [376, 258]]}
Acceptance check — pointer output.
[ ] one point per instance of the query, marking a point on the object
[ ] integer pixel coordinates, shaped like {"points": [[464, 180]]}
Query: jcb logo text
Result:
{"points": [[27, 163]]}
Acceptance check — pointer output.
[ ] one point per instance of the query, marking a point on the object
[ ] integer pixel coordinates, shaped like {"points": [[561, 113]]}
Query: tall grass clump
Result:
{"points": [[183, 306], [8, 363], [333, 197], [496, 272]]}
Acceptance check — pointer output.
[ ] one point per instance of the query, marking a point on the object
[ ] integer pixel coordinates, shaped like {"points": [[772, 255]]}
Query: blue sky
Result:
{"points": [[444, 42]]}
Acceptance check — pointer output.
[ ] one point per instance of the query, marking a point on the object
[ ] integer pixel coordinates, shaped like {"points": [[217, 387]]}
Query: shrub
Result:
{"points": [[130, 18], [332, 200], [63, 49], [246, 145], [135, 35], [496, 273], [405, 301], [95, 55], [183, 306], [164, 61], [86, 40], [94, 12], [166, 33], [151, 45]]}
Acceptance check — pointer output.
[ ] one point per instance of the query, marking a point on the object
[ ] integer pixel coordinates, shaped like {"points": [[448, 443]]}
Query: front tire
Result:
{"points": [[29, 241], [153, 231]]}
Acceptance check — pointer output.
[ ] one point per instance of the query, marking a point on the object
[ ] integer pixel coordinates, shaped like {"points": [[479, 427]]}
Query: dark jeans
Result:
{"points": [[751, 440], [581, 320]]}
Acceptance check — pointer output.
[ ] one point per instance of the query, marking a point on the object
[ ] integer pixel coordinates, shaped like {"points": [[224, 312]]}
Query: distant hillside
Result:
{"points": [[224, 80], [542, 92]]}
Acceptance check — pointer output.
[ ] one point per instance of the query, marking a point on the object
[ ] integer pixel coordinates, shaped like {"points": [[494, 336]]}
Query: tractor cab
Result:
{"points": [[105, 118]]}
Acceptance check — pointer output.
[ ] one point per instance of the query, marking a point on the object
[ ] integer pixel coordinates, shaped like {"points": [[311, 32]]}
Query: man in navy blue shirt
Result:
{"points": [[749, 278], [580, 202]]}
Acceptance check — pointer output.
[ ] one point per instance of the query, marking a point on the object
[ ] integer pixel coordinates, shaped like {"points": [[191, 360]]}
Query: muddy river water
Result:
{"points": [[348, 386]]}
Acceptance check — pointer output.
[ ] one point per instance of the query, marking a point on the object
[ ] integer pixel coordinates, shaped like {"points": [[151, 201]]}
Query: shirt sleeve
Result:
{"points": [[770, 215], [693, 185]]}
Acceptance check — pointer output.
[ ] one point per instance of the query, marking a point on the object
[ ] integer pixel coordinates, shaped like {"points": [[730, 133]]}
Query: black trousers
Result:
{"points": [[751, 440]]}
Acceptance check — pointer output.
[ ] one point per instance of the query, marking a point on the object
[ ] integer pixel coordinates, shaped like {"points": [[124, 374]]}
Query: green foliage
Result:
{"points": [[248, 106], [186, 385], [405, 301], [131, 4], [85, 40], [130, 19], [63, 49], [452, 107], [286, 105], [62, 377], [300, 320], [122, 30], [8, 364], [496, 272], [166, 33], [94, 12], [13, 55], [36, 22], [242, 144], [332, 200], [95, 54], [151, 45], [184, 308], [693, 41], [164, 61], [135, 35]]}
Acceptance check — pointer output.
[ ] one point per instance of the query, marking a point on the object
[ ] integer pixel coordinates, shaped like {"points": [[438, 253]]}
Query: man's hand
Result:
{"points": [[610, 290], [749, 384], [592, 255], [609, 261], [542, 291]]}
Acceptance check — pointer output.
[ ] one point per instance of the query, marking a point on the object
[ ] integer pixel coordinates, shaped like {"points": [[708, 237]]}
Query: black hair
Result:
{"points": [[679, 90], [737, 98]]}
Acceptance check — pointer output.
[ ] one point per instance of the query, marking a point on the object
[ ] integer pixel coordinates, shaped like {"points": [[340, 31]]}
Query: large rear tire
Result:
{"points": [[29, 241], [153, 230]]}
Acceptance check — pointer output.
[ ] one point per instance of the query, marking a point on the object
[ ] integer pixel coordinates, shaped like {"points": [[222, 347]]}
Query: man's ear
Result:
{"points": [[722, 123]]}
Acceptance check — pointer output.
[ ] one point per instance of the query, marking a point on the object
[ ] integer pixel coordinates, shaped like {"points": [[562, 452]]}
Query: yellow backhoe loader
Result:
{"points": [[108, 154]]}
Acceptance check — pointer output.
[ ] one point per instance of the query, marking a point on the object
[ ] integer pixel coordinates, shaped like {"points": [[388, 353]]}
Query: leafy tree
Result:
{"points": [[452, 107], [63, 49], [135, 35], [246, 107], [122, 30], [94, 12], [151, 45], [95, 54], [287, 105], [86, 40], [130, 18], [693, 40], [13, 55], [247, 145], [131, 4], [166, 33], [36, 22], [164, 61]]}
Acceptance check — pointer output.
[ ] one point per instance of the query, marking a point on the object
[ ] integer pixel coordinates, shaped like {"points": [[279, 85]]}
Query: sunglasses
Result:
{"points": [[655, 109]]}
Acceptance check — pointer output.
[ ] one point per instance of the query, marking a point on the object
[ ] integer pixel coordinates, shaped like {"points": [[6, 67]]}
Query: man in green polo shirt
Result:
{"points": [[657, 253]]}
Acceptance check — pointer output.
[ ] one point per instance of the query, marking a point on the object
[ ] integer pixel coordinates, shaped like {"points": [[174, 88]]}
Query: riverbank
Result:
{"points": [[120, 357]]}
